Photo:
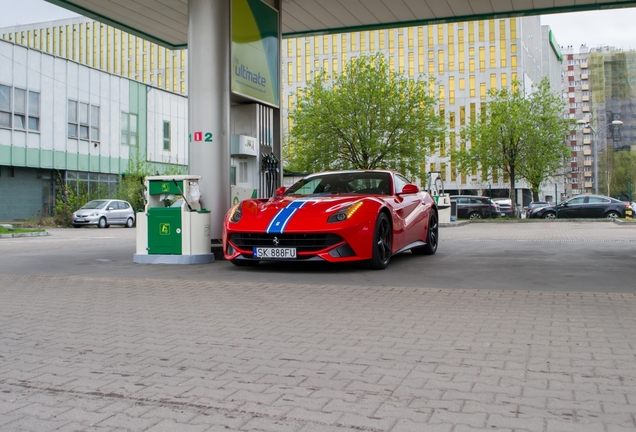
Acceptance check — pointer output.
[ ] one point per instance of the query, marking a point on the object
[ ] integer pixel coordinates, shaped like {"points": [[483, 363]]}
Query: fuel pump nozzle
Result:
{"points": [[182, 194]]}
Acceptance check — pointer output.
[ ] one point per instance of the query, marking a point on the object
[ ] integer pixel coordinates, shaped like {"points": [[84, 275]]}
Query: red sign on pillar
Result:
{"points": [[198, 136]]}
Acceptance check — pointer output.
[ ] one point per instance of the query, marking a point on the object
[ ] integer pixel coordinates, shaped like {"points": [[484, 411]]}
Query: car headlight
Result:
{"points": [[95, 214], [345, 213], [235, 213]]}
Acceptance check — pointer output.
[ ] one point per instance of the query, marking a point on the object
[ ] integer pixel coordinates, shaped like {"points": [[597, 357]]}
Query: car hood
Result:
{"points": [[538, 209], [286, 213]]}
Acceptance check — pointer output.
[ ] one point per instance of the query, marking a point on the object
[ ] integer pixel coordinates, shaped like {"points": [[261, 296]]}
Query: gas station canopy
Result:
{"points": [[166, 21]]}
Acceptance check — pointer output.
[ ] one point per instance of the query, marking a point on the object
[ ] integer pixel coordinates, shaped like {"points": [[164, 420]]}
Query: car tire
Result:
{"points": [[432, 237], [549, 215], [474, 215], [102, 223], [129, 223], [245, 263], [612, 215], [382, 240]]}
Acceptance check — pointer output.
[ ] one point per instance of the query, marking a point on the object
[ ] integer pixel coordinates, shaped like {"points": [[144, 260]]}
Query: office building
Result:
{"points": [[70, 113], [466, 59]]}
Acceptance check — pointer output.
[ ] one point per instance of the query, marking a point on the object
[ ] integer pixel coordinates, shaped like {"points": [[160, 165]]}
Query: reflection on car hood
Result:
{"points": [[291, 213]]}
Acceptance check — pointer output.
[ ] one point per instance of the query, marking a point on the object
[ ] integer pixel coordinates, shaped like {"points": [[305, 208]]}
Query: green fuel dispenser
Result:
{"points": [[173, 228]]}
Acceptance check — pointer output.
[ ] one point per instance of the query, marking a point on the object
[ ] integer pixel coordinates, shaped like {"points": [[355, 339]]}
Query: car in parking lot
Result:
{"points": [[103, 213], [535, 204], [505, 204], [583, 206], [476, 207]]}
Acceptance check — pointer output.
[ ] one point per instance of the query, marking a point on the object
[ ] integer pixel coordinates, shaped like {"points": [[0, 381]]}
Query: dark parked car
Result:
{"points": [[535, 204], [476, 207], [583, 206], [104, 213]]}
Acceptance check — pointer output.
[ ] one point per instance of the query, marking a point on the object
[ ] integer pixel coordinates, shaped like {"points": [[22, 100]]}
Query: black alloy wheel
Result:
{"points": [[432, 237], [382, 240]]}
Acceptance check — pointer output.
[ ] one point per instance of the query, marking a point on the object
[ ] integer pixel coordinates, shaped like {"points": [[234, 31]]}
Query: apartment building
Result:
{"points": [[597, 85]]}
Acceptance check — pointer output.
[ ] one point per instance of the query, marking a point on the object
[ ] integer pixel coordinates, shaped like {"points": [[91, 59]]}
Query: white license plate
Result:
{"points": [[274, 253], [80, 220]]}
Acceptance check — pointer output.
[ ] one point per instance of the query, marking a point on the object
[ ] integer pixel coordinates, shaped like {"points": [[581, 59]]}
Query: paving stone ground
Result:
{"points": [[115, 353]]}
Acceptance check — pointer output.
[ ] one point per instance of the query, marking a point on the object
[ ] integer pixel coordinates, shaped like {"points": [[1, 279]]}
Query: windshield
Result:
{"points": [[372, 183], [97, 204]]}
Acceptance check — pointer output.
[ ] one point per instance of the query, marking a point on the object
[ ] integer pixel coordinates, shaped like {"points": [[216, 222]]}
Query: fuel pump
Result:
{"points": [[244, 157], [435, 187], [270, 169], [173, 228]]}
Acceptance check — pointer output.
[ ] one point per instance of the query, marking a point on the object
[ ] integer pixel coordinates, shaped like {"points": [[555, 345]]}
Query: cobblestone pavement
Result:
{"points": [[176, 354]]}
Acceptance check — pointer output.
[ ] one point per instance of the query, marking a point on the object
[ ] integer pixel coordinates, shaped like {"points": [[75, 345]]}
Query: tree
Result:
{"points": [[545, 152], [367, 117], [521, 135], [622, 172]]}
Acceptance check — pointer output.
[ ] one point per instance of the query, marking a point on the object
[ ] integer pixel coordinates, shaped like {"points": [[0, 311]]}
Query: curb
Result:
{"points": [[491, 221], [31, 234]]}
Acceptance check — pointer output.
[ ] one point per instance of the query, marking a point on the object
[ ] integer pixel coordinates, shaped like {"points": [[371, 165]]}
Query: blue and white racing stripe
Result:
{"points": [[279, 222]]}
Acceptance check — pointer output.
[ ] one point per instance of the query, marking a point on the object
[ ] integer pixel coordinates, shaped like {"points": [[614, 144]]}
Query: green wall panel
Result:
{"points": [[134, 97], [5, 155], [82, 162], [59, 160], [138, 105], [33, 157], [18, 156], [46, 158], [93, 164], [71, 161]]}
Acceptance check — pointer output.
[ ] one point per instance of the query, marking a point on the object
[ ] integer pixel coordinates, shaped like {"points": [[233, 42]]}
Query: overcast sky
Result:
{"points": [[614, 27]]}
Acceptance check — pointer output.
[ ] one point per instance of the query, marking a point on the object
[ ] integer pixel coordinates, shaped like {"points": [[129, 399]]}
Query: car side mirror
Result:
{"points": [[409, 189], [109, 208], [280, 191], [563, 204]]}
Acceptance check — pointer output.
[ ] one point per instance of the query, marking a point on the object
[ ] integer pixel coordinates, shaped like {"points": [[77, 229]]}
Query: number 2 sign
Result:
{"points": [[201, 136]]}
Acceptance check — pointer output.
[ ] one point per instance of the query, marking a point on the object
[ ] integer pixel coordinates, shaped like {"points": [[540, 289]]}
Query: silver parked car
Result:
{"points": [[104, 213]]}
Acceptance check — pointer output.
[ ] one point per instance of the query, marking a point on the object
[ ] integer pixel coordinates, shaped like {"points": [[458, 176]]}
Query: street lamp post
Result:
{"points": [[595, 146]]}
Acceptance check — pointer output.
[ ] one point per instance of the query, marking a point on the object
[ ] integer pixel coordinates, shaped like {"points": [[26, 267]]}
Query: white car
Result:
{"points": [[104, 213]]}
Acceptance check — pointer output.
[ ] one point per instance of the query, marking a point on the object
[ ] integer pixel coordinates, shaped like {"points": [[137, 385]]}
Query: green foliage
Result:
{"points": [[622, 171], [368, 117], [68, 200], [521, 135]]}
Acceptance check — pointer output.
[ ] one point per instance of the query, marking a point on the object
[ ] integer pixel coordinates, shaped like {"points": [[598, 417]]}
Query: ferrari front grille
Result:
{"points": [[302, 242]]}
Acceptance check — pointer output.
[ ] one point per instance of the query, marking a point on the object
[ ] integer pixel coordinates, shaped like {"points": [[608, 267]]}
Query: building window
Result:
{"points": [[83, 121], [129, 134], [72, 119], [94, 123], [166, 135], [5, 106], [19, 109], [83, 118], [34, 111]]}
